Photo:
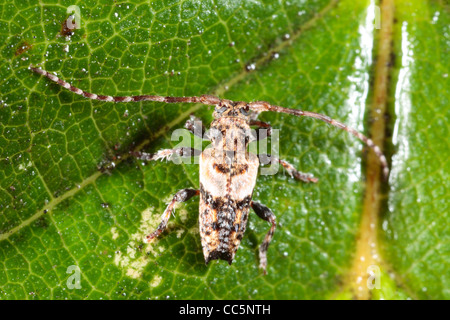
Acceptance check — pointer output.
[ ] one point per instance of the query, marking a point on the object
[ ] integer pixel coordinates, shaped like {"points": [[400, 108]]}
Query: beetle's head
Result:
{"points": [[232, 109]]}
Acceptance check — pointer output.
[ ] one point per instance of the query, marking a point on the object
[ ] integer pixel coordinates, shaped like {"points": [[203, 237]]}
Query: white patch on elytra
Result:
{"points": [[135, 259]]}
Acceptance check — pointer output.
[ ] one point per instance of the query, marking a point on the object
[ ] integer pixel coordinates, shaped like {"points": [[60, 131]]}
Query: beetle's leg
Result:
{"points": [[261, 134], [180, 196], [266, 214], [195, 126], [294, 173], [166, 153]]}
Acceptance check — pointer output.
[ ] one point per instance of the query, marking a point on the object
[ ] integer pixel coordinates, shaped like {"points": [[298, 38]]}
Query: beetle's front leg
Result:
{"points": [[294, 173], [266, 214], [180, 196], [166, 153]]}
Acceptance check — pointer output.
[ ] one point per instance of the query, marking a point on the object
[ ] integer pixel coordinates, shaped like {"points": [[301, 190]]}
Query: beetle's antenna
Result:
{"points": [[204, 99], [261, 106]]}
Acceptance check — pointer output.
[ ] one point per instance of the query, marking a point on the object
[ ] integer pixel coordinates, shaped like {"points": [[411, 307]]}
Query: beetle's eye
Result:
{"points": [[221, 110], [244, 111]]}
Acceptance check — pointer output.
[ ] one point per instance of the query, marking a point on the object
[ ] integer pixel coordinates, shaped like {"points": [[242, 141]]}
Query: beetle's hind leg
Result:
{"points": [[266, 214], [294, 173], [181, 196]]}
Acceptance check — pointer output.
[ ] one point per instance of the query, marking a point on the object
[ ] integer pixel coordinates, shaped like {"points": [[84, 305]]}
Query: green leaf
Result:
{"points": [[58, 210], [415, 228]]}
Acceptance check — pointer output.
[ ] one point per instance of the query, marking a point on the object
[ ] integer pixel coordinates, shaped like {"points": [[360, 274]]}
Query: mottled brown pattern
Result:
{"points": [[222, 225], [227, 179]]}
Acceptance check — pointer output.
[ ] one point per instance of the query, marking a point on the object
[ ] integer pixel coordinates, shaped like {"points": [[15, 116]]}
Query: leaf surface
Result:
{"points": [[59, 210]]}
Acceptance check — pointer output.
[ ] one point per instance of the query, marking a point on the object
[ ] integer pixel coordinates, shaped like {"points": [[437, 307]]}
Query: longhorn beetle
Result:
{"points": [[226, 187]]}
